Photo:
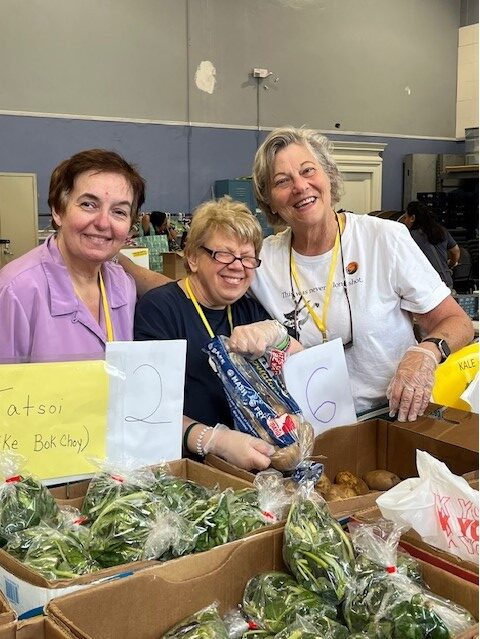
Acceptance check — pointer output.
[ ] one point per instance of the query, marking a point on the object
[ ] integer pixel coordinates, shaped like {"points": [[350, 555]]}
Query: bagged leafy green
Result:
{"points": [[211, 519], [388, 604], [113, 480], [119, 532], [170, 535], [252, 508], [274, 599], [59, 554], [316, 548], [178, 493], [24, 500], [306, 628], [69, 519], [204, 624]]}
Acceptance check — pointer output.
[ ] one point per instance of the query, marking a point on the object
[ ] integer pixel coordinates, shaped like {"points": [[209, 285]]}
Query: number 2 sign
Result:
{"points": [[146, 400]]}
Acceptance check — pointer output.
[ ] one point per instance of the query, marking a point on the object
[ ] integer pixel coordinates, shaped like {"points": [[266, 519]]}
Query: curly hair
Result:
{"points": [[227, 216], [278, 139]]}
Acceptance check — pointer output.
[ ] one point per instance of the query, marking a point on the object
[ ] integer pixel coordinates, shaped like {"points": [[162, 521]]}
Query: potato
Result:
{"points": [[381, 479], [323, 485], [339, 491], [288, 458], [346, 478]]}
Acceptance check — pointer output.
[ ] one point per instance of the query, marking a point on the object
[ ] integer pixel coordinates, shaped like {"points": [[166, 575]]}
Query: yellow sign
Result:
{"points": [[55, 415], [454, 375]]}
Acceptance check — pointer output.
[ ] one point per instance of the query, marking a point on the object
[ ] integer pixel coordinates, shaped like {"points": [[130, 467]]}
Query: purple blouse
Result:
{"points": [[41, 318]]}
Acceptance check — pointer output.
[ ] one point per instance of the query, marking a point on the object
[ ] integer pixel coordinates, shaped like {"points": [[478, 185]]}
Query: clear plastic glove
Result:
{"points": [[411, 387], [238, 448], [252, 340]]}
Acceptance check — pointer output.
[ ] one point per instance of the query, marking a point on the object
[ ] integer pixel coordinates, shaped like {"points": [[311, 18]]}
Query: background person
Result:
{"points": [[355, 277], [221, 256], [435, 241], [157, 223], [65, 299]]}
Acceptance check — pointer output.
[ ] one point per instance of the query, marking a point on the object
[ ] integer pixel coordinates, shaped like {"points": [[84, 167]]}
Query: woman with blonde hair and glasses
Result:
{"points": [[221, 258]]}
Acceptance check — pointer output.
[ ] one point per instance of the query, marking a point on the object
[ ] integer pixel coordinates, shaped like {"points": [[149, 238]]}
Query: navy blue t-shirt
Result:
{"points": [[166, 313]]}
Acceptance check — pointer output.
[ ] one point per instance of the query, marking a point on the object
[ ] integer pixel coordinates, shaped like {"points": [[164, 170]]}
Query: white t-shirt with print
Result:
{"points": [[387, 276]]}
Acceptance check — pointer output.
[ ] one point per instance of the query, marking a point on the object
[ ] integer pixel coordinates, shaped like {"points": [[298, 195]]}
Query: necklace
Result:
{"points": [[320, 323]]}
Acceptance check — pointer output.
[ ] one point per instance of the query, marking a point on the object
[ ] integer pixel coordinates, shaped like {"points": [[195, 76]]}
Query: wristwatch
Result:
{"points": [[442, 346]]}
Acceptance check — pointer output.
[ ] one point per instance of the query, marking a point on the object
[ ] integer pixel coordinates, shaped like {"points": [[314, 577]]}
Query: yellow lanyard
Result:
{"points": [[321, 324], [199, 310], [106, 309]]}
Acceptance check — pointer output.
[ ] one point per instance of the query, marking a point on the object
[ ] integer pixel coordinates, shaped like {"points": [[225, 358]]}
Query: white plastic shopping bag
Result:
{"points": [[440, 506]]}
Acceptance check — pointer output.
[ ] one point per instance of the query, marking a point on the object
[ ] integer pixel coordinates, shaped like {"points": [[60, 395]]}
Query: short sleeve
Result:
{"points": [[14, 328]]}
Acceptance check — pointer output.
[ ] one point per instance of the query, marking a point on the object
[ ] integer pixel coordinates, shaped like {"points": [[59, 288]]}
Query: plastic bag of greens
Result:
{"points": [[264, 504], [69, 519], [316, 549], [178, 493], [120, 531], [204, 624], [24, 500], [113, 480], [58, 553], [387, 601], [306, 628], [381, 539], [261, 405], [211, 520], [170, 535], [274, 599]]}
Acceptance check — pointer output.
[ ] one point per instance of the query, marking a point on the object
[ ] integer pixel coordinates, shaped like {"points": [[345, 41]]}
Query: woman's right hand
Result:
{"points": [[240, 449]]}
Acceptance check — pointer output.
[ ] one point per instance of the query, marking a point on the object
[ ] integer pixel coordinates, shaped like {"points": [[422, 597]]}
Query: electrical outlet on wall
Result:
{"points": [[260, 73]]}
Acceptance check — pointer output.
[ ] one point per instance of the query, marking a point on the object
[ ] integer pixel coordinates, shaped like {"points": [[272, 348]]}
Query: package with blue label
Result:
{"points": [[261, 405]]}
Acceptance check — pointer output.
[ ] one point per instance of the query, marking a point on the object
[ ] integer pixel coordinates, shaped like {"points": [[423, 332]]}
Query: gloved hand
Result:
{"points": [[411, 387], [252, 340], [238, 448]]}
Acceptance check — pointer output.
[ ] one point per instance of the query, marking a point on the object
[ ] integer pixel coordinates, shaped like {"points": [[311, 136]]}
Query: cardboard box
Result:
{"points": [[151, 602], [28, 592], [173, 266], [40, 628], [377, 443], [138, 255]]}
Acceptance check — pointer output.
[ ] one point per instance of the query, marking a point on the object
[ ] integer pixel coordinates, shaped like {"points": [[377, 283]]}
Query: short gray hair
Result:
{"points": [[278, 139]]}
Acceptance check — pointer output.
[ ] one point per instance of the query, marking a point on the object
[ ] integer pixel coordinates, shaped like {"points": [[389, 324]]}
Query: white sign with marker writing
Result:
{"points": [[317, 379], [146, 400]]}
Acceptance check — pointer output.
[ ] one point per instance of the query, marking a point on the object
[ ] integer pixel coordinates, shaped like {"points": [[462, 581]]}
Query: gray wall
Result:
{"points": [[386, 67]]}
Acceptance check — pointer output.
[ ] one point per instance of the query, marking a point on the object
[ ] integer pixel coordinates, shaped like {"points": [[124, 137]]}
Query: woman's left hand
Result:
{"points": [[411, 387]]}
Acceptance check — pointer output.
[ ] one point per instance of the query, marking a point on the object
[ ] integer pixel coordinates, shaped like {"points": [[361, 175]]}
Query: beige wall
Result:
{"points": [[467, 79]]}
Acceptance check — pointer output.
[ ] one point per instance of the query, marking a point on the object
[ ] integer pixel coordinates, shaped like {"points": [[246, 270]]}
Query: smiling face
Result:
{"points": [[216, 285], [96, 220], [300, 188]]}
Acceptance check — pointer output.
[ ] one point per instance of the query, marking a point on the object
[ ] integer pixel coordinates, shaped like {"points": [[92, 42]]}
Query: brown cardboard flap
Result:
{"points": [[8, 631], [41, 628]]}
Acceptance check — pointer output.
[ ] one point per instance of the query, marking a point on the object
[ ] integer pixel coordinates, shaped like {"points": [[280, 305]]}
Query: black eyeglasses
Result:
{"points": [[224, 257]]}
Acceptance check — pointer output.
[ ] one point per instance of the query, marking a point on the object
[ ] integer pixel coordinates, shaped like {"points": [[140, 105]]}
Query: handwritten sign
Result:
{"points": [[54, 415], [317, 379], [146, 400]]}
